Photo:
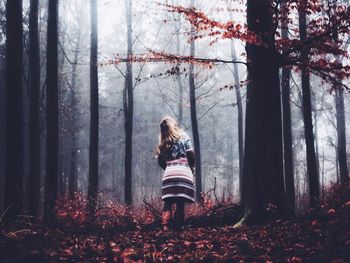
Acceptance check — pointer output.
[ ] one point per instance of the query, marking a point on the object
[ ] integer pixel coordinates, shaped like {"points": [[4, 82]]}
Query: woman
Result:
{"points": [[175, 155]]}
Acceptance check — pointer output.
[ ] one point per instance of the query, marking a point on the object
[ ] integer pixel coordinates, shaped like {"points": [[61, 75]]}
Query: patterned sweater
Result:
{"points": [[181, 148]]}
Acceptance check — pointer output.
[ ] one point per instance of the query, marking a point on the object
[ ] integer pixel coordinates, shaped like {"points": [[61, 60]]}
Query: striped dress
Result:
{"points": [[178, 182]]}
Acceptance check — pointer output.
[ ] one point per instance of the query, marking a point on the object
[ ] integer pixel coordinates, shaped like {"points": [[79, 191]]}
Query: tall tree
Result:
{"points": [[287, 120], [263, 164], [178, 76], [2, 103], [14, 109], [128, 104], [52, 141], [341, 128], [34, 130], [307, 110], [62, 174], [193, 109], [239, 114], [94, 111], [73, 177], [341, 135]]}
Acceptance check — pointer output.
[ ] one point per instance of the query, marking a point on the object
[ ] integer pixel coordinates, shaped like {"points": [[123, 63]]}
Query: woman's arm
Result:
{"points": [[189, 152], [162, 161], [190, 158]]}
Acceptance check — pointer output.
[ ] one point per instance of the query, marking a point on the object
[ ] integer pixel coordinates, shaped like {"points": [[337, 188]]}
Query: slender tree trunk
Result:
{"points": [[52, 142], [94, 111], [341, 128], [287, 123], [128, 99], [14, 111], [73, 177], [34, 122], [336, 161], [178, 77], [194, 121], [61, 181], [62, 160], [313, 176], [3, 130], [341, 135], [315, 116], [263, 163], [239, 114]]}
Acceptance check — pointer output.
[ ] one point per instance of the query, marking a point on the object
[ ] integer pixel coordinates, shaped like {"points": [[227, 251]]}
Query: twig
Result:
{"points": [[154, 211]]}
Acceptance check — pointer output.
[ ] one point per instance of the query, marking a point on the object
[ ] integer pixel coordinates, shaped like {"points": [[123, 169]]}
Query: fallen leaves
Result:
{"points": [[322, 235]]}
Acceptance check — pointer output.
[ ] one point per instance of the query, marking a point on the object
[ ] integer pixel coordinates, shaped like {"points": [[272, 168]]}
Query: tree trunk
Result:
{"points": [[287, 123], [341, 135], [128, 103], [94, 111], [14, 111], [178, 77], [239, 114], [194, 121], [2, 124], [34, 122], [62, 174], [341, 128], [263, 163], [52, 142], [313, 175], [73, 177]]}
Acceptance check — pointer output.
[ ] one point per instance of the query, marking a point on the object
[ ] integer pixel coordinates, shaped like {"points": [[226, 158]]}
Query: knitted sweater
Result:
{"points": [[181, 148]]}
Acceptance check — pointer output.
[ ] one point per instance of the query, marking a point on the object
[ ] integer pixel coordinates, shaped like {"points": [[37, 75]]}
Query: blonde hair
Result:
{"points": [[169, 132]]}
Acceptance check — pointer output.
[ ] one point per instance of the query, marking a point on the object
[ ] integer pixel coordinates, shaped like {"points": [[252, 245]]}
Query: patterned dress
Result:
{"points": [[177, 183]]}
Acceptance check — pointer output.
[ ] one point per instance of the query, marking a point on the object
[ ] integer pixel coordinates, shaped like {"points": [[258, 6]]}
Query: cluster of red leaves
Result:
{"points": [[72, 211], [320, 235], [327, 35], [206, 26]]}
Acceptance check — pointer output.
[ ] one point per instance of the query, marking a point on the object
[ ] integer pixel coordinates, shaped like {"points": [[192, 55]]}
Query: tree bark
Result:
{"points": [[178, 77], [94, 111], [52, 142], [194, 120], [341, 129], [263, 164], [341, 135], [2, 124], [239, 114], [312, 171], [287, 123], [14, 110], [128, 103], [73, 177]]}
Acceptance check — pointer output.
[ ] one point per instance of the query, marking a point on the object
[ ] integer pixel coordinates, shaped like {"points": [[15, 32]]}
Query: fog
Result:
{"points": [[156, 94]]}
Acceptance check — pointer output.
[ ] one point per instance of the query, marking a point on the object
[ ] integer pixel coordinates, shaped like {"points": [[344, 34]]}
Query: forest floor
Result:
{"points": [[319, 235]]}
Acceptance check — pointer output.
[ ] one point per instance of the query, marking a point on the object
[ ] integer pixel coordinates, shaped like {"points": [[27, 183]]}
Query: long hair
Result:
{"points": [[169, 132]]}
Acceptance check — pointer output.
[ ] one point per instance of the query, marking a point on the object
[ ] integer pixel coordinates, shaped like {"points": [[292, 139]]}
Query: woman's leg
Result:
{"points": [[166, 214], [179, 213]]}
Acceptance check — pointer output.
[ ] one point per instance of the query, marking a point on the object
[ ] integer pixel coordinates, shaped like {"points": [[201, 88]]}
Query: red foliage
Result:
{"points": [[328, 30], [320, 235], [72, 209]]}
